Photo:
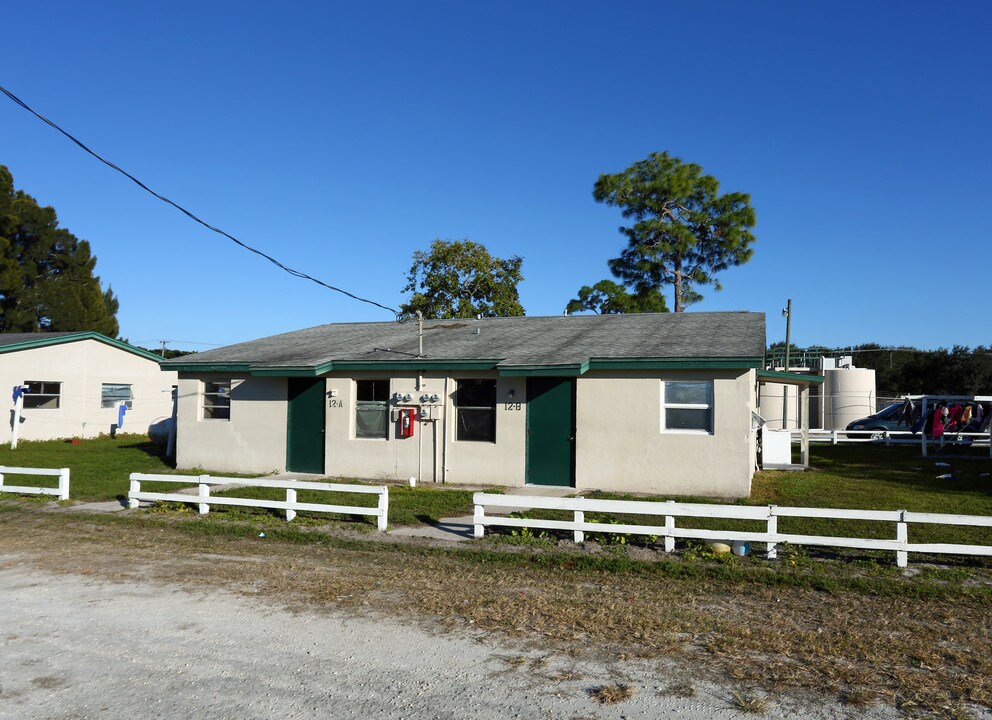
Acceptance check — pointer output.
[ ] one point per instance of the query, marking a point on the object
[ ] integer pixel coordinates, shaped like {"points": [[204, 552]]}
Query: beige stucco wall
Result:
{"points": [[432, 454], [82, 367], [619, 442], [620, 445], [252, 441]]}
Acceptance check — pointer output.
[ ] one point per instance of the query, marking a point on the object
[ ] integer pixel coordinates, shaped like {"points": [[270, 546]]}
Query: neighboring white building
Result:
{"points": [[75, 383], [653, 403]]}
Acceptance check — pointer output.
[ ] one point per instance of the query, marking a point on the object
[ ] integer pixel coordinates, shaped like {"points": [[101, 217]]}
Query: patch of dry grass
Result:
{"points": [[747, 702], [919, 654], [612, 694]]}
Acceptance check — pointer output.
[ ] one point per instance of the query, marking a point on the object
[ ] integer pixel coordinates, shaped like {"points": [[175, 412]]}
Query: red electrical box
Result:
{"points": [[408, 417]]}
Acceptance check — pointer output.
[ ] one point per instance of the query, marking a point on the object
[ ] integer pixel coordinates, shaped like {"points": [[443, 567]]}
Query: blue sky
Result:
{"points": [[342, 137]]}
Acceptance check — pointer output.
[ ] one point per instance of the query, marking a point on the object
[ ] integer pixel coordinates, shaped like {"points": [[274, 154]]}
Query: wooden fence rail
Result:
{"points": [[204, 499], [62, 491], [769, 514]]}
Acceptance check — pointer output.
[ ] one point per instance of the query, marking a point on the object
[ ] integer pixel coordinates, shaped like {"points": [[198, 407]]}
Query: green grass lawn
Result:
{"points": [[862, 477], [867, 477], [99, 467]]}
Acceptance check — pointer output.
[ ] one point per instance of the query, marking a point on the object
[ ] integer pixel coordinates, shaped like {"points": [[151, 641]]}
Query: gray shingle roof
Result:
{"points": [[512, 341], [18, 338]]}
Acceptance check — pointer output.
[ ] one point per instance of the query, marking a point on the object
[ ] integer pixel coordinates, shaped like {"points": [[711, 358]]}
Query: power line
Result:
{"points": [[191, 216]]}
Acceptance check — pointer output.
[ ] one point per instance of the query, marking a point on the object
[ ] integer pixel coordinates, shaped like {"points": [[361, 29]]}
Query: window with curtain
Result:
{"points": [[113, 394], [372, 409]]}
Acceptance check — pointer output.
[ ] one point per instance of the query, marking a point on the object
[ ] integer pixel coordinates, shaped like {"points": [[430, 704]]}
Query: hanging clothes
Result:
{"points": [[965, 416], [939, 420], [907, 415]]}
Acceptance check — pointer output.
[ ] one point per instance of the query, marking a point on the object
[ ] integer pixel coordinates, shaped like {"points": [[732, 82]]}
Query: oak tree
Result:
{"points": [[460, 279]]}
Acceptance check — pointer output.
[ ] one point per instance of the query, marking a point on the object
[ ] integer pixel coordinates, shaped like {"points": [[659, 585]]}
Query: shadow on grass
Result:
{"points": [[151, 450]]}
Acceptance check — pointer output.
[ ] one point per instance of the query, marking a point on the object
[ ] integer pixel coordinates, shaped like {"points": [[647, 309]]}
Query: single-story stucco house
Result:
{"points": [[73, 384], [651, 403]]}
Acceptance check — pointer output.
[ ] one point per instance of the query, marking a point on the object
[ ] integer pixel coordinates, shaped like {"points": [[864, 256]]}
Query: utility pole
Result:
{"points": [[162, 352], [785, 391]]}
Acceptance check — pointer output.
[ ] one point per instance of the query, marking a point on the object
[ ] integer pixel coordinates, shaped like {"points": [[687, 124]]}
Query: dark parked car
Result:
{"points": [[890, 418]]}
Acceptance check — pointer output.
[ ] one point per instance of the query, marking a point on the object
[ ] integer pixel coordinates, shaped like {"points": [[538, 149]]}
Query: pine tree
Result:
{"points": [[684, 231], [46, 273]]}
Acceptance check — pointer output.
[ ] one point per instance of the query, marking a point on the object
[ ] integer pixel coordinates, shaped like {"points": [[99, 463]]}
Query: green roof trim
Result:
{"points": [[567, 370], [674, 363], [789, 378], [211, 367], [46, 340]]}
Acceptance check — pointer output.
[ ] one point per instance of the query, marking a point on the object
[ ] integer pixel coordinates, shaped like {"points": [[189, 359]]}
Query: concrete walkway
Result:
{"points": [[461, 528]]}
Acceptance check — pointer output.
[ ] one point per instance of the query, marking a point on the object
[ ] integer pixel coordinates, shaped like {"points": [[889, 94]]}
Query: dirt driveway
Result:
{"points": [[77, 647], [124, 618]]}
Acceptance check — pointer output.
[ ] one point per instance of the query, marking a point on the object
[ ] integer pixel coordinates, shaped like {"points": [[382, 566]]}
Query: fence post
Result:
{"points": [[204, 494], [132, 501], [833, 437], [1, 482], [578, 535], [64, 484], [902, 537], [670, 530], [290, 500], [479, 528], [382, 521], [888, 439], [771, 549]]}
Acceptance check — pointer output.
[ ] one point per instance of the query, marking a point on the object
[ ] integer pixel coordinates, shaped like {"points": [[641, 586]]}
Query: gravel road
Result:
{"points": [[75, 647]]}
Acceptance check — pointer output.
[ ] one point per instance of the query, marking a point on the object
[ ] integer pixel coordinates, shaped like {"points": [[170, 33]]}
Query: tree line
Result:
{"points": [[959, 370], [47, 282]]}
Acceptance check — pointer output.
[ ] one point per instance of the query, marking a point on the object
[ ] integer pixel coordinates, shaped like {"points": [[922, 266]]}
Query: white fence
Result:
{"points": [[204, 499], [890, 437], [62, 491], [768, 514]]}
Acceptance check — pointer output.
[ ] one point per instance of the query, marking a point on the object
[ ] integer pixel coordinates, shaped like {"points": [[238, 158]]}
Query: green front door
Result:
{"points": [[551, 431], [305, 426]]}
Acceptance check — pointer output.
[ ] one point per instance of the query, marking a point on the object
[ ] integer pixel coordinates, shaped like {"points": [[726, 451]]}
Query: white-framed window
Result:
{"points": [[43, 395], [216, 399], [113, 394], [475, 408], [372, 409], [687, 406]]}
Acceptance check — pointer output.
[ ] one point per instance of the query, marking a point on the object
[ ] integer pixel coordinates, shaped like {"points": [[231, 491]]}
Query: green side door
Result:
{"points": [[305, 426], [551, 431]]}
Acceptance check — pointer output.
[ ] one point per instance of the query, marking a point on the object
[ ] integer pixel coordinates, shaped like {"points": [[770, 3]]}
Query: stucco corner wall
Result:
{"points": [[621, 447], [252, 441]]}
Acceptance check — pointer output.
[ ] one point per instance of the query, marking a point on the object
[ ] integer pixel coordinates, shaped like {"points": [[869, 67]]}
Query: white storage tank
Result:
{"points": [[848, 395], [771, 404]]}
